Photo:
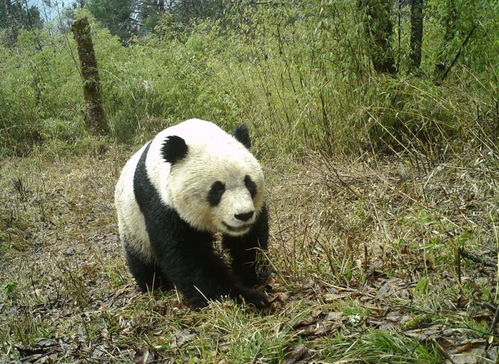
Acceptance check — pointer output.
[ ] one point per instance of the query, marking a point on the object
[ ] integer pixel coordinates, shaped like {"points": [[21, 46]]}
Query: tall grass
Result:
{"points": [[297, 72]]}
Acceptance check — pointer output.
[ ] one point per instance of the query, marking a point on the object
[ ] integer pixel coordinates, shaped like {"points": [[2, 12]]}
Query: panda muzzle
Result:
{"points": [[237, 229]]}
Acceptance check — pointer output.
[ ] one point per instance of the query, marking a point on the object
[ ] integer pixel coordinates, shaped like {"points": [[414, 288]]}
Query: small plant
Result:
{"points": [[10, 290]]}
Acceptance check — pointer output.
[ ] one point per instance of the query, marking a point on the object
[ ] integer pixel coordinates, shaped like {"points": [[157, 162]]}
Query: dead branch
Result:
{"points": [[458, 54], [476, 258]]}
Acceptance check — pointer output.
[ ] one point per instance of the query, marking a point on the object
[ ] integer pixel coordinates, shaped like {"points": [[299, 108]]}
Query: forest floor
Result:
{"points": [[374, 261]]}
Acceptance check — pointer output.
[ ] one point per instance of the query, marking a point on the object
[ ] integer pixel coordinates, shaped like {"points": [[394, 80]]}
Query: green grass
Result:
{"points": [[376, 346], [290, 73], [364, 267]]}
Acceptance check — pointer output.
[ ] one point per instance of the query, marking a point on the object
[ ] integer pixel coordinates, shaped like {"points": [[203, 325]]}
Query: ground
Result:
{"points": [[374, 260]]}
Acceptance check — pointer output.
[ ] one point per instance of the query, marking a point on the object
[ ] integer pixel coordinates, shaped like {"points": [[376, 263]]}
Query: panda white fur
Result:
{"points": [[191, 181]]}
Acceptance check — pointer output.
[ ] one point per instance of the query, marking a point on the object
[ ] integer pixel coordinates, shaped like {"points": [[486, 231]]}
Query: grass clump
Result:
{"points": [[376, 346]]}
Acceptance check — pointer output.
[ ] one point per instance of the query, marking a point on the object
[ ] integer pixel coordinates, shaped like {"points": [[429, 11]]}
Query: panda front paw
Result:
{"points": [[263, 275], [255, 298], [244, 296], [251, 277]]}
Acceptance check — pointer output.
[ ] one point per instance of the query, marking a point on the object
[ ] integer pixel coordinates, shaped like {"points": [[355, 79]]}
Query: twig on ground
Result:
{"points": [[492, 327], [476, 258], [442, 351]]}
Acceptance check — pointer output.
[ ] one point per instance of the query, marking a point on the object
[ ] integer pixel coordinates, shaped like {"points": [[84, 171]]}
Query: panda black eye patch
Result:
{"points": [[215, 194], [250, 185]]}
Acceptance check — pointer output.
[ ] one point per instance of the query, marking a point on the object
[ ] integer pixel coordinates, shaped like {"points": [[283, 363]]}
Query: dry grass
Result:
{"points": [[365, 255]]}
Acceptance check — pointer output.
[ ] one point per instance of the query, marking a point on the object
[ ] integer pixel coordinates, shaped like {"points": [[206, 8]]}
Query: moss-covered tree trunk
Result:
{"points": [[416, 33], [378, 27], [94, 115]]}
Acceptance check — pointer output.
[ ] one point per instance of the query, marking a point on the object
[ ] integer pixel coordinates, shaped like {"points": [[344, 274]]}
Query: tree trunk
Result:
{"points": [[378, 27], [449, 23], [416, 33], [94, 116]]}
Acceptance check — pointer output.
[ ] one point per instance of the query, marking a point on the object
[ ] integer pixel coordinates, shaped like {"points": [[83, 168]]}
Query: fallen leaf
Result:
{"points": [[42, 347], [144, 356], [428, 333], [331, 297], [473, 356], [280, 297], [300, 354], [98, 352], [394, 288], [181, 337], [334, 316]]}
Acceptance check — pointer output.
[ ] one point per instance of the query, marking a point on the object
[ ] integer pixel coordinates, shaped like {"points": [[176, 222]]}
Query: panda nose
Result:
{"points": [[244, 217]]}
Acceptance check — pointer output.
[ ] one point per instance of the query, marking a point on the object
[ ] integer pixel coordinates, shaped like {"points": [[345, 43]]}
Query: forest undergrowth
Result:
{"points": [[365, 256], [382, 185]]}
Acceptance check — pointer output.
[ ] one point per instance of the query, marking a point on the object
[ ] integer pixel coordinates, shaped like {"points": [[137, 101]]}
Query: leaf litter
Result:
{"points": [[83, 306]]}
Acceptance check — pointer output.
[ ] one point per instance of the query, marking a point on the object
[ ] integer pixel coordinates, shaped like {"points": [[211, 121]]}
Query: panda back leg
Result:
{"points": [[147, 275]]}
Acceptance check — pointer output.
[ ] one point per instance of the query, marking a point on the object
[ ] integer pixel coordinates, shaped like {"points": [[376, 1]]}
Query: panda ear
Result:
{"points": [[241, 133], [174, 149]]}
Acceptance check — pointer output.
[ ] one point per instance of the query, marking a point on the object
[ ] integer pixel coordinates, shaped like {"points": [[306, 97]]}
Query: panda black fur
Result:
{"points": [[191, 181]]}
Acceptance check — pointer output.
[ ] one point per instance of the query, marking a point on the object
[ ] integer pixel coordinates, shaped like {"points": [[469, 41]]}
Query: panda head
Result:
{"points": [[215, 184]]}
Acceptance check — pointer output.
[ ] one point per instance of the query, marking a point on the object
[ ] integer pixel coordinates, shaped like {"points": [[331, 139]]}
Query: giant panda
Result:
{"points": [[191, 181]]}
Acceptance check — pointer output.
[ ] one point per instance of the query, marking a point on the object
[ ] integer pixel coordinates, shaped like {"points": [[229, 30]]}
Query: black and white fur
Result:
{"points": [[191, 181]]}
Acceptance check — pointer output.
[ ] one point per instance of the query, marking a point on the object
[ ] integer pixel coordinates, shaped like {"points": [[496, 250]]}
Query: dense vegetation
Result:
{"points": [[301, 67], [382, 168]]}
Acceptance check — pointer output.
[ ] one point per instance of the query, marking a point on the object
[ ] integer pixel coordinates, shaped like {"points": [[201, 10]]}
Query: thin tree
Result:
{"points": [[94, 116], [449, 22], [379, 28], [416, 33]]}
